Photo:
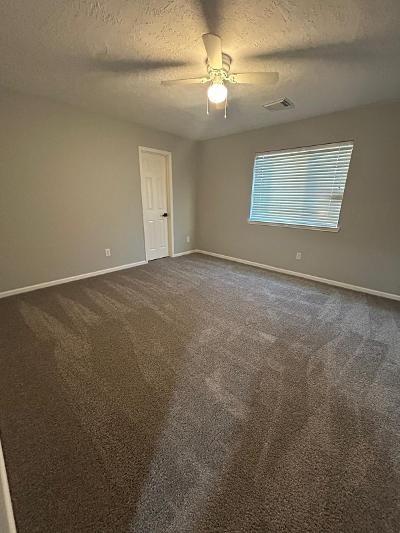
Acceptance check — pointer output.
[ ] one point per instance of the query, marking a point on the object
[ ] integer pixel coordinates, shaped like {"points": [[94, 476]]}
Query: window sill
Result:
{"points": [[296, 226]]}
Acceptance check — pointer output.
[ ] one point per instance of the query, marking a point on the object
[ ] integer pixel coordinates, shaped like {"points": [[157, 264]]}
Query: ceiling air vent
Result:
{"points": [[278, 105]]}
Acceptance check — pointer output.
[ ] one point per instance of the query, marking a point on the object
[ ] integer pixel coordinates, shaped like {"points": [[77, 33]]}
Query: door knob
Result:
{"points": [[164, 215]]}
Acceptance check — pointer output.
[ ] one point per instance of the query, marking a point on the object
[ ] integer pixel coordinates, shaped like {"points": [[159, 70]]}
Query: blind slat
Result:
{"points": [[301, 187]]}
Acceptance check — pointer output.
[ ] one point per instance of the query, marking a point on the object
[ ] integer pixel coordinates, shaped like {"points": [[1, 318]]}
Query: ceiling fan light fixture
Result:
{"points": [[217, 93], [219, 74]]}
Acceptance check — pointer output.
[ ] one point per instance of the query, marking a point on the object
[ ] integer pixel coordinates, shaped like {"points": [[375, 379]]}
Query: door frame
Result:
{"points": [[170, 203]]}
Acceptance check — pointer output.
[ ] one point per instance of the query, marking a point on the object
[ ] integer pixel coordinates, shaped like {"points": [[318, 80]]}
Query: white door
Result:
{"points": [[153, 169]]}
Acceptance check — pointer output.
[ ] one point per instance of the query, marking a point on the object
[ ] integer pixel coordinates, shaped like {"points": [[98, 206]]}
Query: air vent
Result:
{"points": [[278, 105]]}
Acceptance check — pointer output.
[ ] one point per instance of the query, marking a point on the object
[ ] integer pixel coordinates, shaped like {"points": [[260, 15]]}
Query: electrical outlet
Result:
{"points": [[298, 256], [187, 238], [107, 252]]}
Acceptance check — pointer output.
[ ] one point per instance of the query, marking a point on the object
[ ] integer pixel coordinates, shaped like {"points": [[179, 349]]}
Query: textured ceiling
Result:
{"points": [[110, 56]]}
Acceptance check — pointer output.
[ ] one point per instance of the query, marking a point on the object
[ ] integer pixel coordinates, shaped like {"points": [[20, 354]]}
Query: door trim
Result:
{"points": [[7, 522], [170, 202]]}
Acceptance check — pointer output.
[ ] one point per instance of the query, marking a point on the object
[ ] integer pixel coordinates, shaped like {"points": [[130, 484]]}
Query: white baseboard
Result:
{"points": [[184, 253], [30, 288], [213, 254], [304, 276], [7, 522]]}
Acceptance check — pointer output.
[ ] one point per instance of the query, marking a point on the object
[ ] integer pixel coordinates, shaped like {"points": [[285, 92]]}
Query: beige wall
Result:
{"points": [[365, 252], [70, 187]]}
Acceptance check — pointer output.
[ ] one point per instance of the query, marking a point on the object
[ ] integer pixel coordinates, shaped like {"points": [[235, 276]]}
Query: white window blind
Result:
{"points": [[301, 187]]}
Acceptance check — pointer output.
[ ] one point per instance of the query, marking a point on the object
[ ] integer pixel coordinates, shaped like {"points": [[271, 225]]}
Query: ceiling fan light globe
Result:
{"points": [[217, 93]]}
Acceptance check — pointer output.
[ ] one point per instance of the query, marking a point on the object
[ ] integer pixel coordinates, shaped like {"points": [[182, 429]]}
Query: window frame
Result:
{"points": [[300, 149]]}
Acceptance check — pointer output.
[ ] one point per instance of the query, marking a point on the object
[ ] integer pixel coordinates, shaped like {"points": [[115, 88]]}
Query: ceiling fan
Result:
{"points": [[219, 75]]}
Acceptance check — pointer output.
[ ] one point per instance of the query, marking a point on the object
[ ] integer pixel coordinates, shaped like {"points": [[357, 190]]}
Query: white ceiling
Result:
{"points": [[110, 55]]}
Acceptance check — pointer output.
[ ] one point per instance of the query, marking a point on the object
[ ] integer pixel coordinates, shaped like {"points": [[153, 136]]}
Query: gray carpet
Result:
{"points": [[198, 395]]}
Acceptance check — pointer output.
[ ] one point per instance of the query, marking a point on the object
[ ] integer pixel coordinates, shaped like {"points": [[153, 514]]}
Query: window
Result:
{"points": [[301, 187]]}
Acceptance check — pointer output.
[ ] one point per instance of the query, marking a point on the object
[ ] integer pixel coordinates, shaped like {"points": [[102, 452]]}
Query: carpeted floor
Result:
{"points": [[198, 395]]}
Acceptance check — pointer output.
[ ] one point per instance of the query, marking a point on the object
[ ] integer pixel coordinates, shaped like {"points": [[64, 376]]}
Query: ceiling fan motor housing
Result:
{"points": [[220, 74]]}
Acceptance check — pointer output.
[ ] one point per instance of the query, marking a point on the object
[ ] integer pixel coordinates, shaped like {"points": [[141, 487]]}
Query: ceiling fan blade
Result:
{"points": [[212, 14], [269, 78], [187, 81], [213, 46], [132, 66], [351, 51]]}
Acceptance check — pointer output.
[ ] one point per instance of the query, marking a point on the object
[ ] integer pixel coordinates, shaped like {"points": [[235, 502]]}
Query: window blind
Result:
{"points": [[301, 187]]}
